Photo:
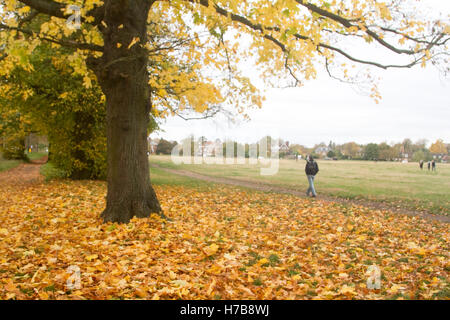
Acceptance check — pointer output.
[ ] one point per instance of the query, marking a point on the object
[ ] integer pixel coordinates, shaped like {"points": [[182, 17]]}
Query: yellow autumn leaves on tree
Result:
{"points": [[197, 48]]}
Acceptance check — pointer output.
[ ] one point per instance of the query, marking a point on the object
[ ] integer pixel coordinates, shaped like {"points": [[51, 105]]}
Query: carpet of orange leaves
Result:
{"points": [[220, 243]]}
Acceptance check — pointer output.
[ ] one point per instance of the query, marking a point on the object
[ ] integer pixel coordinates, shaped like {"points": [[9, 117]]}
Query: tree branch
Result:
{"points": [[51, 8], [3, 56], [65, 43], [347, 23], [28, 18], [259, 27], [56, 9]]}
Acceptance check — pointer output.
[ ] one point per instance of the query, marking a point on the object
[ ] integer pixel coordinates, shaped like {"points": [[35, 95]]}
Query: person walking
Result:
{"points": [[311, 170], [433, 165], [421, 164], [429, 165]]}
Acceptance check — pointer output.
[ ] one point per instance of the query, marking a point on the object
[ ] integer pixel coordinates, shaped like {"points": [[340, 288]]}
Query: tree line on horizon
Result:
{"points": [[407, 149]]}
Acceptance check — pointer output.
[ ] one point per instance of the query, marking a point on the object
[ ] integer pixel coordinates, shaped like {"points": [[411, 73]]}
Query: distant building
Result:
{"points": [[208, 148], [284, 147], [152, 144], [322, 150]]}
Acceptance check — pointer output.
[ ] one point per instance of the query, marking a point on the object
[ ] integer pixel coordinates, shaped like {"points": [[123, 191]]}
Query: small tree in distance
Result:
{"points": [[438, 147], [165, 147]]}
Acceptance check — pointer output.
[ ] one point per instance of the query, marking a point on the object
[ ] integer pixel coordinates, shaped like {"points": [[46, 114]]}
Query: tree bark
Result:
{"points": [[122, 74]]}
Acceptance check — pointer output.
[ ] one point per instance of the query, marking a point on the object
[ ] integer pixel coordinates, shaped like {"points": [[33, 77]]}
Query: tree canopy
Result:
{"points": [[202, 42]]}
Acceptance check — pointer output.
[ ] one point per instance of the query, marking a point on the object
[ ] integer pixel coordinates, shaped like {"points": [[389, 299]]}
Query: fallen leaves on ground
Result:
{"points": [[220, 243]]}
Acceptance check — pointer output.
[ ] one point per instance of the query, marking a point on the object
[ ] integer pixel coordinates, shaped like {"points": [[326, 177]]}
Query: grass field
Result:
{"points": [[9, 164], [36, 155], [396, 183]]}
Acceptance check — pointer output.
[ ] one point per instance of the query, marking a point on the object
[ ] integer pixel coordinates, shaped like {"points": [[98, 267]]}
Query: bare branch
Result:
{"points": [[376, 64], [286, 65], [206, 116]]}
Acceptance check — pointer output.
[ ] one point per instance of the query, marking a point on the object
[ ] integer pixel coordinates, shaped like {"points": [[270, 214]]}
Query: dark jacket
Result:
{"points": [[311, 168]]}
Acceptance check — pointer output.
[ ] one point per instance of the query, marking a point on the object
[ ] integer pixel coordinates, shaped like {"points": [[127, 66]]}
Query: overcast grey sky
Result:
{"points": [[415, 104]]}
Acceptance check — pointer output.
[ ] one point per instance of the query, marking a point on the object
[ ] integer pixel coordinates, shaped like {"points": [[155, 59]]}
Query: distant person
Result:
{"points": [[311, 170], [421, 164], [429, 165], [433, 165]]}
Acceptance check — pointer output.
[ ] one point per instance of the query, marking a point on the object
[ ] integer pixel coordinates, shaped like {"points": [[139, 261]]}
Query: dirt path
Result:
{"points": [[276, 189], [23, 174]]}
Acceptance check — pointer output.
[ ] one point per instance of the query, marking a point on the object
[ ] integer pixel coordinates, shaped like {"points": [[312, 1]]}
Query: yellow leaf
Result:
{"points": [[296, 277], [24, 9], [347, 290], [141, 293], [179, 283], [133, 42], [215, 269], [394, 289], [211, 287], [447, 29], [211, 249], [87, 82], [91, 257], [10, 296]]}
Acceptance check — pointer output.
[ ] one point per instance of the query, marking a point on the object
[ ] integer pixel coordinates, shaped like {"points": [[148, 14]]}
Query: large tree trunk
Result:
{"points": [[123, 76]]}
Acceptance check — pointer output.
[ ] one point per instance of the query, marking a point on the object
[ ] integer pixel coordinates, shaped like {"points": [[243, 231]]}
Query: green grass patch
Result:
{"points": [[161, 177], [36, 155], [8, 164], [50, 172]]}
